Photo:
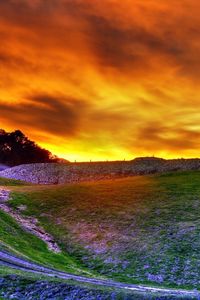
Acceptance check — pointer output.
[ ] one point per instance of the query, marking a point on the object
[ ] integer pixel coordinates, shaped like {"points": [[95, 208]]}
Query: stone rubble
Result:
{"points": [[4, 195], [16, 287], [60, 173]]}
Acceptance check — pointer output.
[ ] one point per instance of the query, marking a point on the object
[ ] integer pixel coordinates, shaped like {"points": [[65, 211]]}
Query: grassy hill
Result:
{"points": [[141, 229], [21, 243]]}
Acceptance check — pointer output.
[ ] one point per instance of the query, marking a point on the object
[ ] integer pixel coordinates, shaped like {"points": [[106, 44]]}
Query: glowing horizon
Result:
{"points": [[102, 80]]}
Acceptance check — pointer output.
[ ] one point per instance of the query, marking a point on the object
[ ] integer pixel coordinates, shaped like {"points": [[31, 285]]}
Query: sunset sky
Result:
{"points": [[102, 79]]}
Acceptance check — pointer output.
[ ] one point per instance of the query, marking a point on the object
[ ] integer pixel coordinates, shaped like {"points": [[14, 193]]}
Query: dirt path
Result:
{"points": [[29, 224], [25, 265]]}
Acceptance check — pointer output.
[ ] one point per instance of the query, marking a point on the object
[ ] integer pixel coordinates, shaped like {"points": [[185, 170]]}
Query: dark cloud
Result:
{"points": [[17, 62], [111, 44], [136, 47], [131, 49], [53, 114], [158, 136], [60, 23]]}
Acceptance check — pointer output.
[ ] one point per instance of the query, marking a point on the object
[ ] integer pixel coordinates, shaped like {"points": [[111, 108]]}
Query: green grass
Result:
{"points": [[14, 239], [24, 280], [141, 229], [10, 182], [6, 271]]}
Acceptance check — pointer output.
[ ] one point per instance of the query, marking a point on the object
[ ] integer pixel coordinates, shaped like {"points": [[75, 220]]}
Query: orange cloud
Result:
{"points": [[106, 79]]}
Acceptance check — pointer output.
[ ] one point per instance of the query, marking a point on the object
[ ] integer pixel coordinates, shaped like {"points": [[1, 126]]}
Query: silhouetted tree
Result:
{"points": [[16, 149]]}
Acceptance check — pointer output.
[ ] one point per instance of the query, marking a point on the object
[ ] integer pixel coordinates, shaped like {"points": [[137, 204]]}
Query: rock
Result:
{"points": [[22, 207], [57, 173], [4, 195]]}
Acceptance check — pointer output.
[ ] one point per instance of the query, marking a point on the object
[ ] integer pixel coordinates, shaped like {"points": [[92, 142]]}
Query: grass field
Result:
{"points": [[140, 229], [11, 182], [14, 239]]}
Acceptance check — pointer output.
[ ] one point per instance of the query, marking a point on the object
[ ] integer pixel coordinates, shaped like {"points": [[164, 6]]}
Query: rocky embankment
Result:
{"points": [[13, 287], [16, 287], [56, 173]]}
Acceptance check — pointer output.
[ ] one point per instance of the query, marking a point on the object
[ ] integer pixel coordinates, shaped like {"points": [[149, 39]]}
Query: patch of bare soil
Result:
{"points": [[29, 224]]}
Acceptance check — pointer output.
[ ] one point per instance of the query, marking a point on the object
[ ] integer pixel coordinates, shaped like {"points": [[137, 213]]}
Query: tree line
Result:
{"points": [[17, 149]]}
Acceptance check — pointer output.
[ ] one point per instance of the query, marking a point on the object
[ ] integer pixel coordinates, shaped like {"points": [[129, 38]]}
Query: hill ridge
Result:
{"points": [[60, 173]]}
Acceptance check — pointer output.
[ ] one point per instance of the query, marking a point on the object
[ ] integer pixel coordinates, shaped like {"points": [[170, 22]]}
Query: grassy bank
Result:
{"points": [[11, 182], [15, 239], [140, 229]]}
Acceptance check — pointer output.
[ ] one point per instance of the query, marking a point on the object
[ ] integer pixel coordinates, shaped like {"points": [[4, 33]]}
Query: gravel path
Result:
{"points": [[28, 266]]}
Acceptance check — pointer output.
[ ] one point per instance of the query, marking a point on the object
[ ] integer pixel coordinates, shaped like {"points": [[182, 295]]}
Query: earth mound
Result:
{"points": [[59, 173]]}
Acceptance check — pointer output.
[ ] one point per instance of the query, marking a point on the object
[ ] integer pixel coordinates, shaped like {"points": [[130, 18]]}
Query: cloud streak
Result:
{"points": [[54, 114]]}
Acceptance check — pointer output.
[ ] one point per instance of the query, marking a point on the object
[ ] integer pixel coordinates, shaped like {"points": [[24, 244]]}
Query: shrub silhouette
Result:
{"points": [[16, 149]]}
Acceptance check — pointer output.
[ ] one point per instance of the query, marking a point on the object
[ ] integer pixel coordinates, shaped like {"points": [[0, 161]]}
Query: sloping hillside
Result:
{"points": [[142, 229]]}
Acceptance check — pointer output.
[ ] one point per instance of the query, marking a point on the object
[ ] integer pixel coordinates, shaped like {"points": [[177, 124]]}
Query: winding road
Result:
{"points": [[19, 263]]}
